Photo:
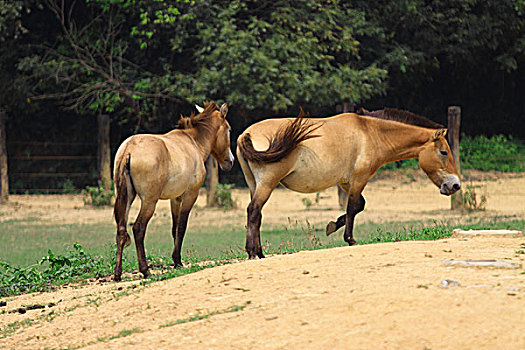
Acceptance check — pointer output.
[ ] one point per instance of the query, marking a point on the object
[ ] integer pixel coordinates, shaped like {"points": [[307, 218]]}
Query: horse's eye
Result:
{"points": [[444, 153]]}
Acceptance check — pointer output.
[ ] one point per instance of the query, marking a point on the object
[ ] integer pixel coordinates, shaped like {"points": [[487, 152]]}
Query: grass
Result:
{"points": [[198, 316], [94, 254]]}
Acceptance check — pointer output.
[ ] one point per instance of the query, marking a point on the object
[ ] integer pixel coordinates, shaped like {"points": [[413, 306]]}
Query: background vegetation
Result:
{"points": [[145, 62]]}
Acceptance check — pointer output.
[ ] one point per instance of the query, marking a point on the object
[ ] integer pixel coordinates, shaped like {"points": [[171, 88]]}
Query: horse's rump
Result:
{"points": [[282, 143]]}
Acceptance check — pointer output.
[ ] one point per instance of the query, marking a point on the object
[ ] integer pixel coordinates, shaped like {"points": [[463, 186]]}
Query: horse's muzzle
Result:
{"points": [[227, 164], [450, 186]]}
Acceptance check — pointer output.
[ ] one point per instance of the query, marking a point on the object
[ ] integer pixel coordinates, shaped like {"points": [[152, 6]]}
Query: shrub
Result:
{"points": [[97, 196], [223, 194], [495, 153], [471, 201], [57, 269]]}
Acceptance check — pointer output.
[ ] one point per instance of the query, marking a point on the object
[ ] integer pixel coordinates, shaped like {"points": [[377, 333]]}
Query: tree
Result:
{"points": [[438, 53], [11, 30], [94, 67], [274, 55]]}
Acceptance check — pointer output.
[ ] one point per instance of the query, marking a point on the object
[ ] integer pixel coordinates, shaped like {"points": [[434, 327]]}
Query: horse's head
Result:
{"points": [[221, 147], [437, 162]]}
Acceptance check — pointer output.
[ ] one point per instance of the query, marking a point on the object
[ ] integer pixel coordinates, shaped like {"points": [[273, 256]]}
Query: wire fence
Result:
{"points": [[68, 167]]}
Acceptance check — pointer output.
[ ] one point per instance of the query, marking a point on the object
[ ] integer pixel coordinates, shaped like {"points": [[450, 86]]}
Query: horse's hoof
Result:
{"points": [[352, 242], [260, 255], [331, 228], [117, 278], [146, 274], [177, 265]]}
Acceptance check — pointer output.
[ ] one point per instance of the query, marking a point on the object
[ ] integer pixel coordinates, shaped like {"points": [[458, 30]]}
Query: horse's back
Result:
{"points": [[318, 162]]}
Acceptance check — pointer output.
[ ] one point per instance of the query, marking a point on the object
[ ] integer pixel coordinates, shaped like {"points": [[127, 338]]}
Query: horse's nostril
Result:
{"points": [[456, 187]]}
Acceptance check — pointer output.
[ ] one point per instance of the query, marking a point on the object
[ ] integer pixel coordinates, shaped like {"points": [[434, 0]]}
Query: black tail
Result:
{"points": [[282, 143], [121, 186]]}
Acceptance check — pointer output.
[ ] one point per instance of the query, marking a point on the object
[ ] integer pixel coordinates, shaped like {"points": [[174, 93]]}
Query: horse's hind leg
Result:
{"points": [[341, 221], [179, 230], [253, 233], [147, 209], [123, 239]]}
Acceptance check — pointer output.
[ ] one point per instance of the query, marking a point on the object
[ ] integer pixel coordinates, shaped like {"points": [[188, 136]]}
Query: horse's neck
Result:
{"points": [[204, 138], [397, 141]]}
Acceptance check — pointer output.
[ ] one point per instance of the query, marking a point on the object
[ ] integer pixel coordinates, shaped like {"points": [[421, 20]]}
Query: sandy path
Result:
{"points": [[383, 296]]}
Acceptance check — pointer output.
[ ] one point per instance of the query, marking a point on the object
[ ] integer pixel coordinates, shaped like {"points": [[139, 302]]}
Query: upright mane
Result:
{"points": [[194, 121], [401, 116]]}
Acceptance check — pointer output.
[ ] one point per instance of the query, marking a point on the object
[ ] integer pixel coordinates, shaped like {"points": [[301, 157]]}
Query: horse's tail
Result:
{"points": [[282, 143], [123, 187]]}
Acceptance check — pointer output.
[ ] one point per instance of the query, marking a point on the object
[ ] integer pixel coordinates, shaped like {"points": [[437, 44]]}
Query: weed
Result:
{"points": [[14, 326], [307, 202], [198, 316], [68, 186], [97, 196], [471, 201], [223, 194]]}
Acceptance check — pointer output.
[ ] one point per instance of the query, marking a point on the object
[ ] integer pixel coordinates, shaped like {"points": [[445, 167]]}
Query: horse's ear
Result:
{"points": [[439, 133], [199, 108], [224, 110]]}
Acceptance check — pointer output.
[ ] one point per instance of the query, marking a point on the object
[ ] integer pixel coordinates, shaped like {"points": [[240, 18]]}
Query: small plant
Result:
{"points": [[471, 201], [307, 202], [97, 196], [317, 198], [223, 194], [68, 186]]}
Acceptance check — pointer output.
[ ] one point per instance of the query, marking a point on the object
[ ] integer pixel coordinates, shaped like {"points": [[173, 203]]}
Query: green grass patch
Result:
{"points": [[207, 249]]}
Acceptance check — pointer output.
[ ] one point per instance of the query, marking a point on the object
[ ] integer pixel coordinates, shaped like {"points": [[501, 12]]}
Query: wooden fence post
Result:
{"points": [[4, 179], [341, 195], [104, 152], [212, 180], [454, 122]]}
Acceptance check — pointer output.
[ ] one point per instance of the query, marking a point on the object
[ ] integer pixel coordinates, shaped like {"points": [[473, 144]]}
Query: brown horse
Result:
{"points": [[310, 155], [169, 166]]}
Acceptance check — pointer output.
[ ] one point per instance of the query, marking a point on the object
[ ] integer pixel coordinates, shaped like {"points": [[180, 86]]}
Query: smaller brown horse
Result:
{"points": [[310, 155], [169, 166]]}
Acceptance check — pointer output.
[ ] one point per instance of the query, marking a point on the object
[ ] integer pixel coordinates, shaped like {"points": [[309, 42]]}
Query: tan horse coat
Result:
{"points": [[347, 150], [169, 166]]}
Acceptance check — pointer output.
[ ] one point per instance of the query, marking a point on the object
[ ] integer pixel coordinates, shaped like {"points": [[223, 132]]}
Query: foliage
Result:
{"points": [[98, 196], [223, 195], [276, 55], [57, 270], [498, 152]]}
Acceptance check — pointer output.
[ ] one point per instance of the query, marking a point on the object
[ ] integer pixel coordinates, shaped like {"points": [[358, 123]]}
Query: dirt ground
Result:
{"points": [[382, 296]]}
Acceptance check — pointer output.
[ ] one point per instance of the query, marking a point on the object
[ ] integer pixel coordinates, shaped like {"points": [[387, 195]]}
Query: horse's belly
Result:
{"points": [[309, 180]]}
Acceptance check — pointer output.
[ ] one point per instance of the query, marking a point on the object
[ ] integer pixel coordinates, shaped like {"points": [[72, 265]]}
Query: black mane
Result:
{"points": [[401, 116]]}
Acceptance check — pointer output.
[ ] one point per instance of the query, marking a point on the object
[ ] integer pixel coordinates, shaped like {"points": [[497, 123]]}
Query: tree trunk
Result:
{"points": [[341, 195], [212, 179], [4, 179], [454, 122], [104, 152]]}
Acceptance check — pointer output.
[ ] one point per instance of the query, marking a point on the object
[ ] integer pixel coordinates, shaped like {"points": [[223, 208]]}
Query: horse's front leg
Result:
{"points": [[188, 200], [341, 221], [356, 204]]}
